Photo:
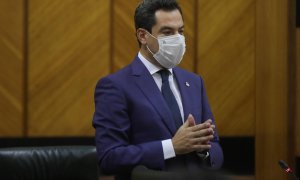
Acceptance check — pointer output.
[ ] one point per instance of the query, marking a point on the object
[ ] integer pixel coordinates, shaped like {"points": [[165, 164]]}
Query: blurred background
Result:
{"points": [[53, 52]]}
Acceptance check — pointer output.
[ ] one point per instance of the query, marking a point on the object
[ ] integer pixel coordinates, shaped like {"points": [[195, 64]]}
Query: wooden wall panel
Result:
{"points": [[298, 95], [68, 53], [226, 60], [190, 25], [125, 45], [272, 133], [12, 67]]}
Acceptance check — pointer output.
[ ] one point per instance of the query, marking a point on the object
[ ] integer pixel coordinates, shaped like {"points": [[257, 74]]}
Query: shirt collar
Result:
{"points": [[152, 68]]}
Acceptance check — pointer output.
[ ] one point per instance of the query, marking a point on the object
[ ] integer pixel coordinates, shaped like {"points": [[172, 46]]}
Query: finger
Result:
{"points": [[208, 121], [199, 127], [202, 140], [200, 147], [202, 132], [213, 127]]}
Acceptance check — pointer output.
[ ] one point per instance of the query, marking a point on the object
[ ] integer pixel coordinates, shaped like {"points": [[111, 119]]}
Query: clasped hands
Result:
{"points": [[191, 137]]}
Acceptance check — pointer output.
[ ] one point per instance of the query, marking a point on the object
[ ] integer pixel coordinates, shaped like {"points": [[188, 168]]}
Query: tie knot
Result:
{"points": [[164, 73]]}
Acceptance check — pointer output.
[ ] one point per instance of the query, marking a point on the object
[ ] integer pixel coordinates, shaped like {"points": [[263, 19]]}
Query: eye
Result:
{"points": [[181, 31], [167, 33]]}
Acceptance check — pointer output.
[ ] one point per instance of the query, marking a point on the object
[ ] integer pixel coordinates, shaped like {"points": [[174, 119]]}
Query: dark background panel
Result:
{"points": [[297, 169], [239, 155]]}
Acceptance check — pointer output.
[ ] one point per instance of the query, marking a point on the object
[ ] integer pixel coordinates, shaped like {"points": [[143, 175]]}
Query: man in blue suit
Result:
{"points": [[151, 112]]}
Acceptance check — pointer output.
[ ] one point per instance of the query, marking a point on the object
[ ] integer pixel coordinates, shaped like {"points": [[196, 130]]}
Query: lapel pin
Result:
{"points": [[187, 84]]}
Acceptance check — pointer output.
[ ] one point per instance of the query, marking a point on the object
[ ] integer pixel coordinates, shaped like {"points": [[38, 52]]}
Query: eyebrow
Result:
{"points": [[169, 28]]}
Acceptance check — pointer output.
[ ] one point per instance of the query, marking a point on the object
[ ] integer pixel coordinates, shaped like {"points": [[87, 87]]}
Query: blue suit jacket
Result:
{"points": [[131, 119]]}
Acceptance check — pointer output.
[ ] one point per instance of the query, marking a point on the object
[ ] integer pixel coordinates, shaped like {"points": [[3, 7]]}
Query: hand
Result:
{"points": [[191, 137]]}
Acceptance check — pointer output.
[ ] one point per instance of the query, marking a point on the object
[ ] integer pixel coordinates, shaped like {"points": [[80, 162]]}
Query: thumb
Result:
{"points": [[190, 120]]}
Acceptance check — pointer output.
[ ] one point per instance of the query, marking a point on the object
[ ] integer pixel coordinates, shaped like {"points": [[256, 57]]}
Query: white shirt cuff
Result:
{"points": [[168, 149]]}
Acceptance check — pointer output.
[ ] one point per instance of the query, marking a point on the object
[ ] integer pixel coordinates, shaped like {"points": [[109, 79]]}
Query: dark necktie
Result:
{"points": [[169, 97]]}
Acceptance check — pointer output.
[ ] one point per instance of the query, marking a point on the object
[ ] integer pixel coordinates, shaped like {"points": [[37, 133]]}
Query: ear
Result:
{"points": [[142, 35]]}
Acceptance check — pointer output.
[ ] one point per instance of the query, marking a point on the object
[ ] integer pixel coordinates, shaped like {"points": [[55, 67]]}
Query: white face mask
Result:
{"points": [[171, 50]]}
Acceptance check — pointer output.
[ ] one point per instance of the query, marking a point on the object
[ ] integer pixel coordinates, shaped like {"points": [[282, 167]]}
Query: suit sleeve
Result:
{"points": [[111, 120], [216, 153]]}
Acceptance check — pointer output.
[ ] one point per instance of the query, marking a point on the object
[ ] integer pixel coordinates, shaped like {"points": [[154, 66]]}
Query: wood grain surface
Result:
{"points": [[272, 141], [125, 45], [68, 52], [190, 10], [226, 60], [12, 68]]}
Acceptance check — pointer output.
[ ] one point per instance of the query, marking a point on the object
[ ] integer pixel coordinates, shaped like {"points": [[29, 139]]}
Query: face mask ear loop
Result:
{"points": [[151, 35], [147, 45], [149, 50]]}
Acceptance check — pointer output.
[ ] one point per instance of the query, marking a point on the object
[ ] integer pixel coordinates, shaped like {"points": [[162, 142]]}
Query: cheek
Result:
{"points": [[156, 47], [153, 45]]}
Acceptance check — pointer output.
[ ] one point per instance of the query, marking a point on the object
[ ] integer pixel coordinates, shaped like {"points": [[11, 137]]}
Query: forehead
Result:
{"points": [[172, 19]]}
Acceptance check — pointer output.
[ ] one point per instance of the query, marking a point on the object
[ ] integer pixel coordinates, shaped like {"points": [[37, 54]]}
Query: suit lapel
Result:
{"points": [[185, 91], [147, 85]]}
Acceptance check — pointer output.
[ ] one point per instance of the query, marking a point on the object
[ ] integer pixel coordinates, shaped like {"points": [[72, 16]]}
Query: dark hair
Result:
{"points": [[145, 12]]}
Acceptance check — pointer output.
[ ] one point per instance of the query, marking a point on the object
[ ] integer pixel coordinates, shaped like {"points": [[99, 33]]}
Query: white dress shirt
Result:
{"points": [[167, 144]]}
